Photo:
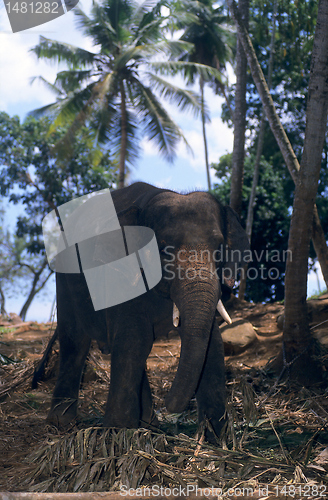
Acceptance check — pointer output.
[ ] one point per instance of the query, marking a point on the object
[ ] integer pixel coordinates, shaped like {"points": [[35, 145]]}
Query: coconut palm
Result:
{"points": [[207, 29], [106, 89]]}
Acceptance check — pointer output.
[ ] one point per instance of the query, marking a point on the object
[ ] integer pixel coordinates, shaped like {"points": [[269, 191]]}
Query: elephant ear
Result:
{"points": [[129, 216], [237, 245], [130, 201]]}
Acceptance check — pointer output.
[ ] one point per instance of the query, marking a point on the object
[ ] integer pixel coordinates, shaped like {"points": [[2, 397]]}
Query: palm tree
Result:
{"points": [[213, 42], [106, 89]]}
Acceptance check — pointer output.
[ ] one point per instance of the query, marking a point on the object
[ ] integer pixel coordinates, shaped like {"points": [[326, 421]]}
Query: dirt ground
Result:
{"points": [[295, 420]]}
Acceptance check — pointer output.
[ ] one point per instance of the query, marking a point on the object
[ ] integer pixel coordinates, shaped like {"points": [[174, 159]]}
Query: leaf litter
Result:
{"points": [[275, 434]]}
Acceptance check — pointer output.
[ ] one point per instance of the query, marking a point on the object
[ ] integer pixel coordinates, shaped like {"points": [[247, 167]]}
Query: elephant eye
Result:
{"points": [[217, 233], [161, 246]]}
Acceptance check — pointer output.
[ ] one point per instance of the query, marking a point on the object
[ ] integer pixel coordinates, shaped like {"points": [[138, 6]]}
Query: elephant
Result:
{"points": [[192, 231]]}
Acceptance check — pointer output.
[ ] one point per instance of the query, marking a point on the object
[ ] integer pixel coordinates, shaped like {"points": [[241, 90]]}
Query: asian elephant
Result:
{"points": [[201, 245]]}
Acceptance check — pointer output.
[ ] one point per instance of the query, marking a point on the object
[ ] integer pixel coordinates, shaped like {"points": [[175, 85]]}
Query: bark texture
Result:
{"points": [[35, 289], [239, 118], [297, 336], [124, 138], [201, 84]]}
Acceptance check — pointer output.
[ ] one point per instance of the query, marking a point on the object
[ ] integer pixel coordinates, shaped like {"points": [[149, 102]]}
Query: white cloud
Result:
{"points": [[164, 183], [19, 68], [18, 65]]}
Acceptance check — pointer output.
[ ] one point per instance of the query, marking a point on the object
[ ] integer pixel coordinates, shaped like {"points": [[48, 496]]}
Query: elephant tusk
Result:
{"points": [[176, 316], [222, 310]]}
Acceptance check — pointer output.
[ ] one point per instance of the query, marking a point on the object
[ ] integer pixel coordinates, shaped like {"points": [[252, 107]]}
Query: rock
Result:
{"points": [[238, 336], [280, 321], [15, 319]]}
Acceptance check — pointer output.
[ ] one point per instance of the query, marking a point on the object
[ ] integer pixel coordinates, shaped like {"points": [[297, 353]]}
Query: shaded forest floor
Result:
{"points": [[276, 434]]}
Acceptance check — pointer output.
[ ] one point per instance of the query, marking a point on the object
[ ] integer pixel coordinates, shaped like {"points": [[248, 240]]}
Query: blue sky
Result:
{"points": [[18, 96]]}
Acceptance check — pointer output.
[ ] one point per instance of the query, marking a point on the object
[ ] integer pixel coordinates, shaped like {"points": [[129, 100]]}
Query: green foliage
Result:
{"points": [[32, 175], [270, 227], [295, 24]]}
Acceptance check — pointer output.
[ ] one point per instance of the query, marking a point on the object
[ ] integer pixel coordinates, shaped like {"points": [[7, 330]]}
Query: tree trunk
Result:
{"points": [[260, 142], [34, 290], [201, 84], [124, 138], [2, 303], [269, 108], [297, 337], [239, 118]]}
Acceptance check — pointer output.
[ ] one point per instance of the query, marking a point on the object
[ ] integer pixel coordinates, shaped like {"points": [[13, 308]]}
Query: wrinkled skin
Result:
{"points": [[189, 229]]}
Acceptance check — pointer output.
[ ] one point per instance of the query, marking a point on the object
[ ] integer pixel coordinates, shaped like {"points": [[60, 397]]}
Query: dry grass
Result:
{"points": [[272, 441], [276, 434]]}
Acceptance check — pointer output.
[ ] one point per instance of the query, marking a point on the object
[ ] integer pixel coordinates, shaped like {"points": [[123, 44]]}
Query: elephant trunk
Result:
{"points": [[196, 300]]}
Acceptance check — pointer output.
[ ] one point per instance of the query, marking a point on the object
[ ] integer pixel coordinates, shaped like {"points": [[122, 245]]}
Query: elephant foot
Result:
{"points": [[112, 419], [147, 422], [212, 429], [62, 414], [150, 423]]}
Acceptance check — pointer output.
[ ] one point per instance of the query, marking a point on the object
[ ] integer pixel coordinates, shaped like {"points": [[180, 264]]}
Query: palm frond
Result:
{"points": [[114, 134], [119, 14], [72, 106], [156, 122], [170, 68], [71, 80], [142, 9], [98, 27], [174, 48], [106, 110], [50, 86], [187, 100], [44, 110], [88, 104], [63, 52], [149, 33]]}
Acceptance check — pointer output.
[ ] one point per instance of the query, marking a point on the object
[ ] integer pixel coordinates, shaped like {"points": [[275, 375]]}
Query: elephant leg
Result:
{"points": [[210, 394], [73, 353], [74, 347], [128, 385], [148, 416]]}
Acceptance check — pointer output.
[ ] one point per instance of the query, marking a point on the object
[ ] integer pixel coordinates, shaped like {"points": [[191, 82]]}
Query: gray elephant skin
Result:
{"points": [[189, 228]]}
